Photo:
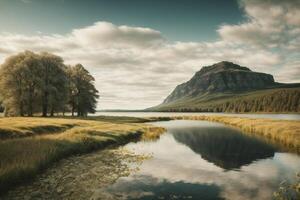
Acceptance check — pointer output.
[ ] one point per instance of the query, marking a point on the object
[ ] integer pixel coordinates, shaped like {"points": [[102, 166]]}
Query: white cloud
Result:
{"points": [[112, 36], [270, 23], [136, 67], [290, 72]]}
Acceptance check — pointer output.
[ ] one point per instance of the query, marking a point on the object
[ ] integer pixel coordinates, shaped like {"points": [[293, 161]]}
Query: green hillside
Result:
{"points": [[266, 100]]}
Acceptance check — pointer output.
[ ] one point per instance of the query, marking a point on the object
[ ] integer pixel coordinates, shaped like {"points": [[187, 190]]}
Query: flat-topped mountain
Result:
{"points": [[224, 86], [221, 77]]}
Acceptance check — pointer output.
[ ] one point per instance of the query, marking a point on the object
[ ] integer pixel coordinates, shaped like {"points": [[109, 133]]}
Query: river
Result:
{"points": [[192, 160], [206, 160]]}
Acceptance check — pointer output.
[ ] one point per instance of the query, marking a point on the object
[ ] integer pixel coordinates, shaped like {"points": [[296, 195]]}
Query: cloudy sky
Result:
{"points": [[139, 50]]}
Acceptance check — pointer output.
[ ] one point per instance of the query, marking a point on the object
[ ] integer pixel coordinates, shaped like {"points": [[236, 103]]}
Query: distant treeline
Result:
{"points": [[283, 100], [41, 84]]}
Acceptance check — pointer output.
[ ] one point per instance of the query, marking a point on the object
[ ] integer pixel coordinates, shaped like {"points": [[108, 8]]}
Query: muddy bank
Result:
{"points": [[80, 177]]}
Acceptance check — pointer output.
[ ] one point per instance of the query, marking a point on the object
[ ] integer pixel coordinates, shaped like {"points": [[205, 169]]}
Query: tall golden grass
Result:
{"points": [[14, 127], [22, 158], [283, 132]]}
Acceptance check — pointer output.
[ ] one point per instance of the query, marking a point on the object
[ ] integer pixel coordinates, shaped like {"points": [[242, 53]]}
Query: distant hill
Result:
{"points": [[228, 87]]}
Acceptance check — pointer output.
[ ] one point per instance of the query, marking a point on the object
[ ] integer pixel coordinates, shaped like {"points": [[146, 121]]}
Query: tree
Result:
{"points": [[54, 83], [82, 93], [31, 70], [32, 83], [12, 84]]}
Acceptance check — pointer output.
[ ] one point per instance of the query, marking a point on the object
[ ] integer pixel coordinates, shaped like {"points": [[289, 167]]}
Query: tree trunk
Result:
{"points": [[30, 112], [46, 93], [45, 104], [52, 112], [30, 100], [73, 108], [21, 109], [5, 112]]}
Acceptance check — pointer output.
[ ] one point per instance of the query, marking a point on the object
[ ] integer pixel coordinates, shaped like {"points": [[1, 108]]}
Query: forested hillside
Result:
{"points": [[282, 100], [270, 100], [228, 87]]}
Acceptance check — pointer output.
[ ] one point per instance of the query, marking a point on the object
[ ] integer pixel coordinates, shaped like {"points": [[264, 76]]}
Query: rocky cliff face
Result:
{"points": [[221, 77]]}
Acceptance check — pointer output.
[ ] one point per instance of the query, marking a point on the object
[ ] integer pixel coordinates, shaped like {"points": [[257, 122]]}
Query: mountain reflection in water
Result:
{"points": [[189, 160], [225, 147]]}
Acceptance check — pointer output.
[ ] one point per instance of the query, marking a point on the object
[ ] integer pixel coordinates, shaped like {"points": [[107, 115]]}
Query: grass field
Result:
{"points": [[29, 145]]}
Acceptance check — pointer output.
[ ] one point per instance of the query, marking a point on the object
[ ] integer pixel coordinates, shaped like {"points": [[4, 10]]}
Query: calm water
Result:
{"points": [[167, 114], [206, 160]]}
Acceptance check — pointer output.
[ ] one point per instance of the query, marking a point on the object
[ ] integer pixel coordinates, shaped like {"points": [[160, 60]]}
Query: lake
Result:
{"points": [[170, 114], [206, 160]]}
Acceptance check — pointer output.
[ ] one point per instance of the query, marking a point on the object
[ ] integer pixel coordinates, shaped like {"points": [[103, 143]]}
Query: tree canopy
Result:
{"points": [[82, 92], [33, 84]]}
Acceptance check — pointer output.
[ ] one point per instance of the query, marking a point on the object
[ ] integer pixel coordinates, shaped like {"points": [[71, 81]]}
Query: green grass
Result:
{"points": [[24, 151]]}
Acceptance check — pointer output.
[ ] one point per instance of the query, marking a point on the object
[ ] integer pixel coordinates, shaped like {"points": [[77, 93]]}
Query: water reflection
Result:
{"points": [[188, 163], [225, 147], [149, 188]]}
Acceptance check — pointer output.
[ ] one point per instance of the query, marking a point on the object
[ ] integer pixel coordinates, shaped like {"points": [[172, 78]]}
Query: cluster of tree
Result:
{"points": [[33, 84], [283, 100]]}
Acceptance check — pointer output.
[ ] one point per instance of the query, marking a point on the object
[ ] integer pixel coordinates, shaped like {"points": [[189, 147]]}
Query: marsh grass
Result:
{"points": [[283, 132], [23, 157], [15, 127]]}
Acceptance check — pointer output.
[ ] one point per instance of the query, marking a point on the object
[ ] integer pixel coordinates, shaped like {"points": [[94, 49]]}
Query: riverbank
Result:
{"points": [[80, 177], [30, 145], [284, 133]]}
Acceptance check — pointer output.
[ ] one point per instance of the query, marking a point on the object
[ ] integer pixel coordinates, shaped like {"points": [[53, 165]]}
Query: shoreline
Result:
{"points": [[31, 145]]}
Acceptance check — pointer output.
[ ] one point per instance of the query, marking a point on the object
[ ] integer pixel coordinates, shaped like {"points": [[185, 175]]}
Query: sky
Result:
{"points": [[139, 50]]}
